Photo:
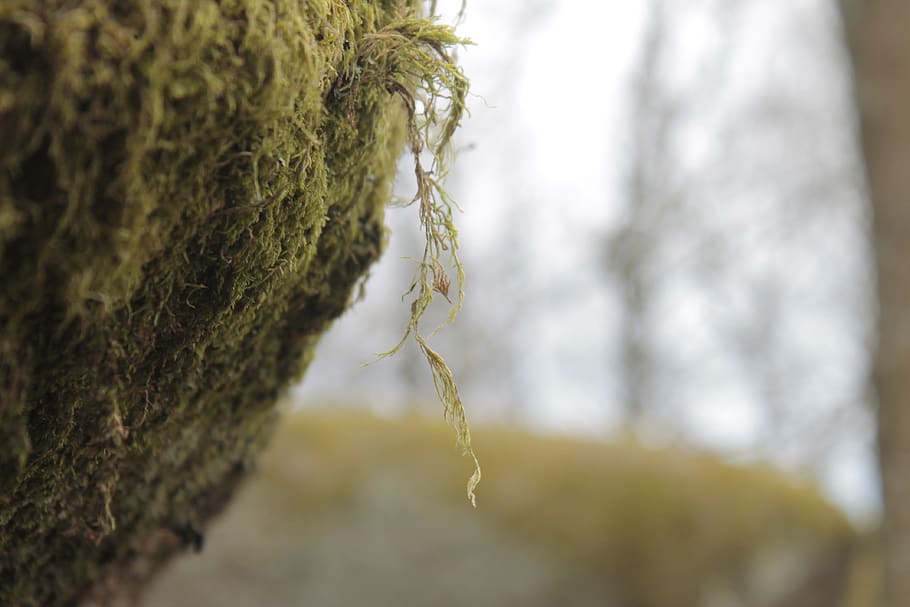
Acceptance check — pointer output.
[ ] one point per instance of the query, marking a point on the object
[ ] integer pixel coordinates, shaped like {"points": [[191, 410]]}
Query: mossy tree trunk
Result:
{"points": [[189, 191], [879, 39]]}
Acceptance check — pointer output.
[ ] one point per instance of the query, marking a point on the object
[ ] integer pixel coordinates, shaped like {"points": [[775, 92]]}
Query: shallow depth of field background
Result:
{"points": [[664, 227], [665, 233]]}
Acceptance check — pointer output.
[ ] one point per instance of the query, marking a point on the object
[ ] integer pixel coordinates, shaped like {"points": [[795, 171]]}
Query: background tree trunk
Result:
{"points": [[878, 32]]}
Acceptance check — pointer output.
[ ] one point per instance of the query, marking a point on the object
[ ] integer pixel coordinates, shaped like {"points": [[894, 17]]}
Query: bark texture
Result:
{"points": [[189, 191], [878, 32]]}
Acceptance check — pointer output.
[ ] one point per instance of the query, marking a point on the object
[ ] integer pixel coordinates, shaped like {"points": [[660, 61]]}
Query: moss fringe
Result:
{"points": [[411, 57]]}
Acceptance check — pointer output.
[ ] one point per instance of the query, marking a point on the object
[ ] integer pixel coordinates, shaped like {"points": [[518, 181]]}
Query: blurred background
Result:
{"points": [[664, 349]]}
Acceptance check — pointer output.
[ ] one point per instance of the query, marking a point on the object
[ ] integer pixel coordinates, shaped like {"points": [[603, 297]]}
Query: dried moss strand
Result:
{"points": [[447, 389], [412, 59]]}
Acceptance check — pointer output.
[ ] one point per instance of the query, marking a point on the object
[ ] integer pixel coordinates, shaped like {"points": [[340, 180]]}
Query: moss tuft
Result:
{"points": [[188, 194]]}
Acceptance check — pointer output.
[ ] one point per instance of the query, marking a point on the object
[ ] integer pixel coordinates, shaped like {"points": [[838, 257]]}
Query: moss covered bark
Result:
{"points": [[189, 192]]}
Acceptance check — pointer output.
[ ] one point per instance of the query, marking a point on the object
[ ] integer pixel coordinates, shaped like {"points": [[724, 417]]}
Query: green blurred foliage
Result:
{"points": [[350, 508]]}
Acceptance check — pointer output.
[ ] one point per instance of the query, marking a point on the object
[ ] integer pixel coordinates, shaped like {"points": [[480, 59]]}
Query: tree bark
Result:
{"points": [[878, 33]]}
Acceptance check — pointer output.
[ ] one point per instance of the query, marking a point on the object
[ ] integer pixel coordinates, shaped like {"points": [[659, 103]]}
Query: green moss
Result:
{"points": [[188, 194]]}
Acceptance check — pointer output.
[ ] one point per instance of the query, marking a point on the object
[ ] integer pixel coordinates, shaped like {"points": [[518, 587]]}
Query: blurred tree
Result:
{"points": [[660, 202], [738, 249], [631, 246], [879, 44]]}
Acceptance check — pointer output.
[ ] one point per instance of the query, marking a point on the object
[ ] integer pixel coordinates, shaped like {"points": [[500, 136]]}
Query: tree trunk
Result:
{"points": [[879, 40], [188, 193]]}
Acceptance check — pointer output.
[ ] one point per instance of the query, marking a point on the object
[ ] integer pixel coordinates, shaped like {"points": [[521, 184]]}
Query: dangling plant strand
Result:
{"points": [[411, 58]]}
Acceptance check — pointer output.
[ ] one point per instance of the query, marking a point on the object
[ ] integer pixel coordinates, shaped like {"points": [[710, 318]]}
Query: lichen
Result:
{"points": [[188, 194]]}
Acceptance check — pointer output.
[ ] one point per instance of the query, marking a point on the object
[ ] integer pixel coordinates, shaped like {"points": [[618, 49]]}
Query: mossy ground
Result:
{"points": [[188, 194], [593, 523]]}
